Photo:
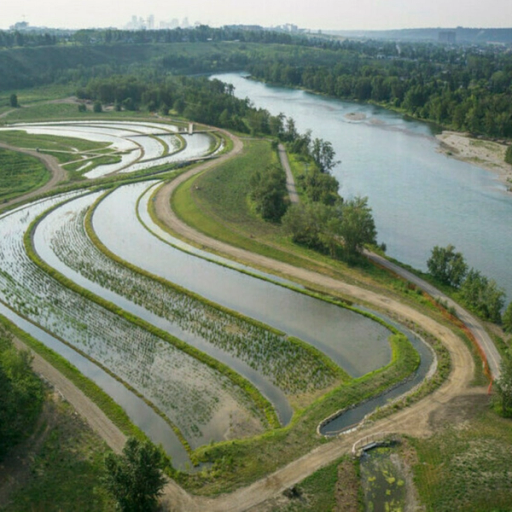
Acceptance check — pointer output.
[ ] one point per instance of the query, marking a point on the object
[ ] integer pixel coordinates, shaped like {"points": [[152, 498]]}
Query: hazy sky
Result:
{"points": [[314, 14]]}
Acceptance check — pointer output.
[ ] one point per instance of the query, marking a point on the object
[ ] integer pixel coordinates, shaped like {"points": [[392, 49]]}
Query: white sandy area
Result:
{"points": [[483, 153]]}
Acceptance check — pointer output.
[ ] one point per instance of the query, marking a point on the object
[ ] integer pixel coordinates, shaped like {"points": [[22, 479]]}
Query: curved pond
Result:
{"points": [[357, 344], [44, 238], [420, 198], [210, 407], [352, 417]]}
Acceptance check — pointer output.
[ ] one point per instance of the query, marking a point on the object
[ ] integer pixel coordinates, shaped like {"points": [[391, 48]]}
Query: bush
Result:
{"points": [[21, 395]]}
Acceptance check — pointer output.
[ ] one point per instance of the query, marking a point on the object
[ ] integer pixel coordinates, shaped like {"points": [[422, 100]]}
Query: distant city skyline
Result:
{"points": [[321, 14]]}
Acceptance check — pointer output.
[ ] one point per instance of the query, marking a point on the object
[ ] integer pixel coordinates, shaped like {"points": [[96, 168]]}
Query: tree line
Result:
{"points": [[478, 292], [462, 88], [21, 395]]}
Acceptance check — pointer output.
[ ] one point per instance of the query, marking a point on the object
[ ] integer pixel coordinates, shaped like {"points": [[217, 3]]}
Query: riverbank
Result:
{"points": [[486, 154]]}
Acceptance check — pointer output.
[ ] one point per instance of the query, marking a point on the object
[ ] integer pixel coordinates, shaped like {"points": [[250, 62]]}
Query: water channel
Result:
{"points": [[420, 198]]}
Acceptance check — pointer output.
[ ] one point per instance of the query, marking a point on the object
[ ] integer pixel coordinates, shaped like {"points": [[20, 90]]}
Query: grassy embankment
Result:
{"points": [[442, 480], [20, 174], [56, 452]]}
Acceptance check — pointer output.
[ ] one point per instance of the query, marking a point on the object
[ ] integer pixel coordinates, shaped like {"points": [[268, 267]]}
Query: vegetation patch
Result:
{"points": [[20, 174], [66, 472], [240, 462], [466, 466]]}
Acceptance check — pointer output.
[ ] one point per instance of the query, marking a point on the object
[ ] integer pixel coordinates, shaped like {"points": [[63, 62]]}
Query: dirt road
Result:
{"points": [[477, 329], [290, 182], [412, 421], [50, 162]]}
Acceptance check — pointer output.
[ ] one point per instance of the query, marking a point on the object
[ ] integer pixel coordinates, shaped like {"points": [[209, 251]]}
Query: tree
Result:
{"points": [[135, 477], [483, 295], [97, 106], [323, 154], [507, 318], [357, 225], [13, 100], [268, 191], [503, 385], [447, 266]]}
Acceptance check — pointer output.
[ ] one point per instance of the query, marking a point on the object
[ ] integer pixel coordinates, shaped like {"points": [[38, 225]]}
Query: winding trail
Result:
{"points": [[413, 420], [290, 182]]}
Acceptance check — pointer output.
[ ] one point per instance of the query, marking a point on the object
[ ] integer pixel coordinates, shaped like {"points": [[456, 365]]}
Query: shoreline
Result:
{"points": [[483, 153]]}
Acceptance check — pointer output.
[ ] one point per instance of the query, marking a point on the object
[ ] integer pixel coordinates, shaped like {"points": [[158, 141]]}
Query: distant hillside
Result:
{"points": [[463, 35]]}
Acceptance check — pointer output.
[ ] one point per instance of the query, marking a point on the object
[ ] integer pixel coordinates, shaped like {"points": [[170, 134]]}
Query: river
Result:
{"points": [[420, 198]]}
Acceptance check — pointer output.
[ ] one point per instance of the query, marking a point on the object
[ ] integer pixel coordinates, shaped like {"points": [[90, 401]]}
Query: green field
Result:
{"points": [[20, 174], [466, 466], [65, 472]]}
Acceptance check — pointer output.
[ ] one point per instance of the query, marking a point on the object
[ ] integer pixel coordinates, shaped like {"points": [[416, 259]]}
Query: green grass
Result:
{"points": [[467, 467], [20, 174], [65, 475], [317, 492], [49, 143]]}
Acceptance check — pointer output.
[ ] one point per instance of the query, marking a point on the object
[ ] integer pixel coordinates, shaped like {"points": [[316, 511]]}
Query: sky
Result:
{"points": [[312, 14]]}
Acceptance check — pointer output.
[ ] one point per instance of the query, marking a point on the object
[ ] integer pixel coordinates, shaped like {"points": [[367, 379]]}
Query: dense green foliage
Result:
{"points": [[464, 88], [447, 266], [507, 318], [19, 174], [341, 229], [479, 293], [268, 191], [483, 295], [503, 385], [508, 155], [135, 477], [21, 395]]}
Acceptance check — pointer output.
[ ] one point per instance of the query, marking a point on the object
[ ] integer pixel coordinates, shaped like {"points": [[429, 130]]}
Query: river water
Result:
{"points": [[420, 198]]}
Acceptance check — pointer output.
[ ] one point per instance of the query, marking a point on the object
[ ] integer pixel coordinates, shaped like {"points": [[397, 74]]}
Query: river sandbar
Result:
{"points": [[486, 154]]}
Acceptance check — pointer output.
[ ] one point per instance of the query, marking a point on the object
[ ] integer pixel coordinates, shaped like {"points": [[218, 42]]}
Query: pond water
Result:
{"points": [[356, 343], [420, 198], [383, 480]]}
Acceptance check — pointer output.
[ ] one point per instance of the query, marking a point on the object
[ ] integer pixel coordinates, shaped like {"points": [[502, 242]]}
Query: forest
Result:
{"points": [[461, 87]]}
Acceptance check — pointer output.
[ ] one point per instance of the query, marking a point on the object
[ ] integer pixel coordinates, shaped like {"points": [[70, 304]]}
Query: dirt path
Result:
{"points": [[412, 421], [50, 162], [477, 329], [290, 182]]}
